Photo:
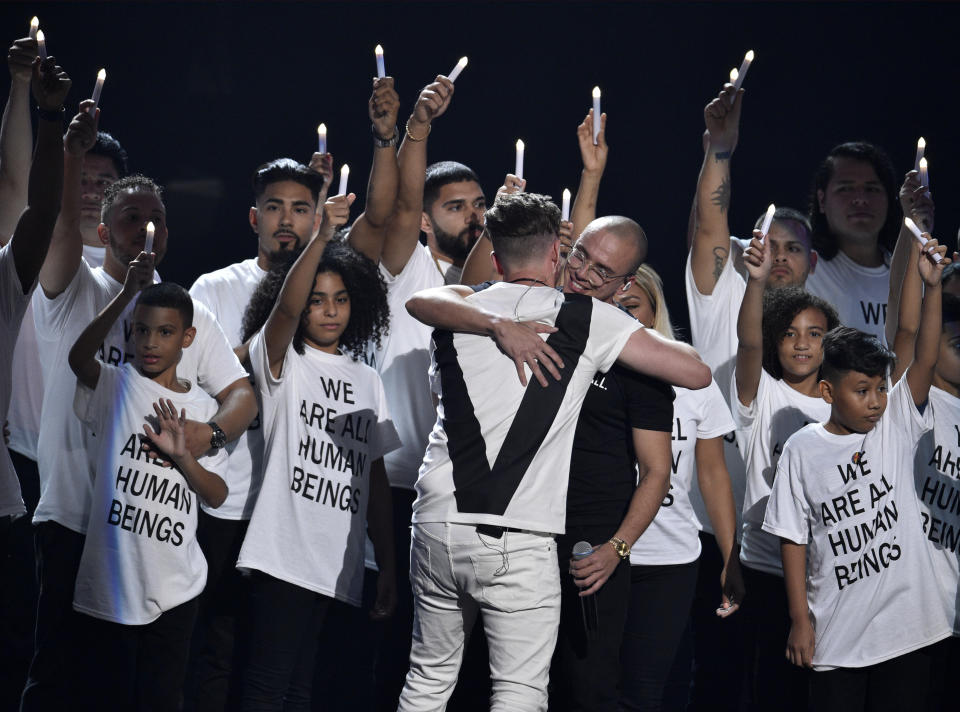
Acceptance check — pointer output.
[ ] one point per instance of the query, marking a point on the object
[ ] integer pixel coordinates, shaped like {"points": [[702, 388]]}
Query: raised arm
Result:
{"points": [[714, 482], [16, 137], [403, 228], [66, 247], [168, 436], [369, 230], [711, 234], [294, 295], [31, 238], [83, 354], [909, 297], [594, 158], [750, 321], [916, 203], [920, 373]]}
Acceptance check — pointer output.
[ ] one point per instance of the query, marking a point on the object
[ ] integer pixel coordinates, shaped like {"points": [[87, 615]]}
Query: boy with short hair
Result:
{"points": [[860, 582], [142, 569]]}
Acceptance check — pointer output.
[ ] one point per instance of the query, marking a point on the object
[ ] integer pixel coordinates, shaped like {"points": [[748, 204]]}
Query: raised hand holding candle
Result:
{"points": [[921, 147], [518, 169], [381, 72], [34, 26], [456, 70], [767, 221], [98, 87], [565, 210], [322, 138], [924, 173], [596, 114], [344, 175], [912, 227], [41, 44], [742, 74], [148, 245]]}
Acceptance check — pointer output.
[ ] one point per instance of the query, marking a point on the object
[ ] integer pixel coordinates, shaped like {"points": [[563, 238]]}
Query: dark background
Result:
{"points": [[201, 93]]}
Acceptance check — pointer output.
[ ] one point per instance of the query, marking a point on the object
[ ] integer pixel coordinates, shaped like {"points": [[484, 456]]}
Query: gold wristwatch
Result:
{"points": [[620, 546]]}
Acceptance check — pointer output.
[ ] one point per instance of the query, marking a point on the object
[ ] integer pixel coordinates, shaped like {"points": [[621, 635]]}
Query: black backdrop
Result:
{"points": [[201, 93]]}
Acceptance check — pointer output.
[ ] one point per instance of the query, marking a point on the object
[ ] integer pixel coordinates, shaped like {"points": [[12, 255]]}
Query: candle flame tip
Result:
{"points": [[378, 49], [520, 143], [749, 55], [322, 128], [566, 192], [35, 22], [40, 36], [921, 142], [923, 162], [463, 62], [102, 74]]}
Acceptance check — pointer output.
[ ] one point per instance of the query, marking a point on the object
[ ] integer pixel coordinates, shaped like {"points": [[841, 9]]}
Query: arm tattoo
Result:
{"points": [[719, 259], [721, 196], [722, 156]]}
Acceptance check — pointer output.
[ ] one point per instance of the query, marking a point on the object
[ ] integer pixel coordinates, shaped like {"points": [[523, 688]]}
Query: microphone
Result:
{"points": [[588, 604]]}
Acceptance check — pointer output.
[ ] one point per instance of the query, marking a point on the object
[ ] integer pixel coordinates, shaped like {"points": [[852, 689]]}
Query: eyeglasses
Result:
{"points": [[597, 276]]}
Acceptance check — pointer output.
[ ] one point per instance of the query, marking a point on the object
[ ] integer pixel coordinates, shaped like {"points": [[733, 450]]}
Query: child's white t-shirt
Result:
{"points": [[141, 556], [672, 536], [325, 421], [777, 412], [871, 585], [936, 472]]}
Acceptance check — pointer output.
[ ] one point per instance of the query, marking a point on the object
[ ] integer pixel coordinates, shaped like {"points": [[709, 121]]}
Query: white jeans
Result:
{"points": [[456, 572]]}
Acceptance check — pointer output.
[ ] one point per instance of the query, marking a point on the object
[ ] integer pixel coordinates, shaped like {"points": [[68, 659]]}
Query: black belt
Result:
{"points": [[495, 531]]}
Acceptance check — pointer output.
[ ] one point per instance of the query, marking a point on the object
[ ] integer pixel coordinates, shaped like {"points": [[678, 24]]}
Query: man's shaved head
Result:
{"points": [[628, 231]]}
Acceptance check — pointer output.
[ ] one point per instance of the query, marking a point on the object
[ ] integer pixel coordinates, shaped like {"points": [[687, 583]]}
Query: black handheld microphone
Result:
{"points": [[588, 604]]}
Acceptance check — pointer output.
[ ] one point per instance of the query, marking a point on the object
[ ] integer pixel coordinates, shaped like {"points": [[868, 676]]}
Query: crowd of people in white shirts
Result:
{"points": [[368, 455]]}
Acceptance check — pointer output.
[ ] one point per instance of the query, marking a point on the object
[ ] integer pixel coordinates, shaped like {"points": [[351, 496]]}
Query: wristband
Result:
{"points": [[385, 142], [51, 114]]}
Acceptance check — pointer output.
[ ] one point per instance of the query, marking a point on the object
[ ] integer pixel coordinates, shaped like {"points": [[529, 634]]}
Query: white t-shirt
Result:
{"points": [[936, 471], [66, 471], [871, 586], [13, 304], [141, 556], [672, 537], [325, 421], [500, 453], [26, 400], [713, 328], [403, 362], [763, 427], [226, 292], [858, 293]]}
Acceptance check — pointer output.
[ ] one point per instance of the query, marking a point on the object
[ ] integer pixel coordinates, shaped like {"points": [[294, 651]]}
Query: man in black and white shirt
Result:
{"points": [[492, 489]]}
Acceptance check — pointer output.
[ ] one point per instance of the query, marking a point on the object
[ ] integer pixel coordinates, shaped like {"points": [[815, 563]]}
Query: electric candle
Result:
{"points": [[322, 138], [148, 245], [742, 74], [924, 173], [41, 44], [98, 87], [459, 68], [921, 147], [381, 72], [344, 175], [912, 227], [34, 26], [767, 221], [518, 170], [596, 114], [565, 210]]}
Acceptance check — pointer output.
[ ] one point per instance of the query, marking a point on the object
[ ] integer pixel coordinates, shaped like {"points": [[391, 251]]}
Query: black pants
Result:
{"points": [[902, 683], [285, 623], [773, 682], [660, 598], [52, 680], [393, 655], [585, 671], [718, 642], [18, 597], [137, 667], [217, 649]]}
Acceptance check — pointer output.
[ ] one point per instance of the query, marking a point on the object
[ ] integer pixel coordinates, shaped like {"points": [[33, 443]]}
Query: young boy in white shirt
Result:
{"points": [[860, 581], [142, 570]]}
